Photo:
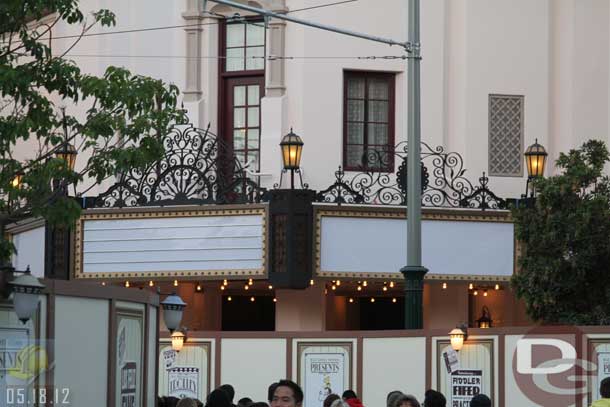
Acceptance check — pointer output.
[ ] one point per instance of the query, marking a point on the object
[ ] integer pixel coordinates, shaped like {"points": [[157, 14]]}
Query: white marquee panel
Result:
{"points": [[375, 245], [232, 242]]}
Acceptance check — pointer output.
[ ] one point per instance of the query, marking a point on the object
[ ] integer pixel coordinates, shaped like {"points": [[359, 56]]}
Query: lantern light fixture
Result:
{"points": [[485, 321], [458, 336], [173, 307], [535, 161], [178, 339], [292, 148], [25, 289]]}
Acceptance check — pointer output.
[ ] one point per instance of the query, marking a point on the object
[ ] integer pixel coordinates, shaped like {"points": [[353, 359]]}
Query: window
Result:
{"points": [[368, 125], [506, 135], [245, 47], [242, 84]]}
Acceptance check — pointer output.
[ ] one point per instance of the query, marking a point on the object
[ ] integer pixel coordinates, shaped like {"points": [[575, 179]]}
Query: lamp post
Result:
{"points": [[535, 161], [292, 148]]}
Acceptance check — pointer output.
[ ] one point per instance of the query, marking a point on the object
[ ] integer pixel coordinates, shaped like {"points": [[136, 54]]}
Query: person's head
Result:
{"points": [[604, 388], [270, 391], [406, 400], [339, 403], [480, 400], [187, 402], [229, 390], [287, 394], [392, 397], [329, 399], [434, 399], [244, 402], [218, 398], [349, 394], [171, 401]]}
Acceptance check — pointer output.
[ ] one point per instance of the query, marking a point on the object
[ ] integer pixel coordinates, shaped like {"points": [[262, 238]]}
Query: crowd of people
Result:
{"points": [[287, 393]]}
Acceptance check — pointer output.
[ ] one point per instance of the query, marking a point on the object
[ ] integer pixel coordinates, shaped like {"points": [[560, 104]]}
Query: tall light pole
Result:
{"points": [[414, 271]]}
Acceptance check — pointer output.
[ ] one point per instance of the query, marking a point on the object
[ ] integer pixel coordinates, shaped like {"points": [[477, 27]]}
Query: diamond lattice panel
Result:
{"points": [[505, 135]]}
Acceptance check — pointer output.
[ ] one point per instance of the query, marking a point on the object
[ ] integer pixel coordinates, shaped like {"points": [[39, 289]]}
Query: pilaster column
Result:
{"points": [[193, 16]]}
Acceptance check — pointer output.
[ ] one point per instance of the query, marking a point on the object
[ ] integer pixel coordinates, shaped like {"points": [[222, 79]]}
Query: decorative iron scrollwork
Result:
{"points": [[443, 183], [196, 169]]}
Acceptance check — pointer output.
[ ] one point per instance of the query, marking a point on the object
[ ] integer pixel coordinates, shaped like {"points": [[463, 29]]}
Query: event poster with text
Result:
{"points": [[324, 374]]}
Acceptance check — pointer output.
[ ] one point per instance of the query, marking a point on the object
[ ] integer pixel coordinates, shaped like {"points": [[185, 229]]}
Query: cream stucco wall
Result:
{"points": [[554, 52]]}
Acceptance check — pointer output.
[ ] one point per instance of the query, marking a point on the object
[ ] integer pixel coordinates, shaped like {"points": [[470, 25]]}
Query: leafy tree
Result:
{"points": [[125, 115], [565, 269]]}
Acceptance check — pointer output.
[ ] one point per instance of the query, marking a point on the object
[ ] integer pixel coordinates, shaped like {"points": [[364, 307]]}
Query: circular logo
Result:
{"points": [[547, 369]]}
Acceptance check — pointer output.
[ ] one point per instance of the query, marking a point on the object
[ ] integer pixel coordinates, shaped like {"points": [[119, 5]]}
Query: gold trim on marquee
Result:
{"points": [[169, 275]]}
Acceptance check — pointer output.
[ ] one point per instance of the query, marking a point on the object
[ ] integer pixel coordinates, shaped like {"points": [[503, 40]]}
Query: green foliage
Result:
{"points": [[565, 269], [125, 113]]}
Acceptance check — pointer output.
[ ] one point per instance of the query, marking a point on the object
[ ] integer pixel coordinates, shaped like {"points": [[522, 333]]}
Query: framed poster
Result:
{"points": [[129, 358], [324, 368], [599, 351], [186, 373], [472, 373]]}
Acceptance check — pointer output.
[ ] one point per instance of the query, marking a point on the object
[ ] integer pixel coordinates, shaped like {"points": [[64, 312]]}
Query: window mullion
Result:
{"points": [[365, 120]]}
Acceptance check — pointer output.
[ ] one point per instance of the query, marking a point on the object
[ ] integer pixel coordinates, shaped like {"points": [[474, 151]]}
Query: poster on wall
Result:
{"points": [[465, 384], [128, 384], [603, 369], [183, 382], [324, 374]]}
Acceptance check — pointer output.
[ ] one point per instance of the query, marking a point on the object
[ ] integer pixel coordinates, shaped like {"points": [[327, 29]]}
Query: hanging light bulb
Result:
{"points": [[351, 300], [373, 299], [497, 287], [225, 282], [394, 300], [229, 298], [222, 287], [127, 284], [311, 282], [103, 283], [364, 284], [476, 292], [485, 293], [444, 286], [175, 283], [270, 287], [359, 288], [385, 288], [246, 287], [333, 287], [338, 283], [198, 287], [391, 284], [250, 282], [252, 299], [470, 286], [151, 283], [275, 300]]}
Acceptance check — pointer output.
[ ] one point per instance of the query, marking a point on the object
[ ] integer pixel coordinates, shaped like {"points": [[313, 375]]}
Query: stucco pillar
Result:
{"points": [[193, 17]]}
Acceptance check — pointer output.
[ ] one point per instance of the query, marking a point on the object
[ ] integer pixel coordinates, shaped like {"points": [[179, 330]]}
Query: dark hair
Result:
{"points": [[480, 400], [171, 401], [270, 391], [297, 393], [229, 390], [604, 388], [218, 398], [259, 404], [244, 401], [329, 399], [434, 399], [349, 394]]}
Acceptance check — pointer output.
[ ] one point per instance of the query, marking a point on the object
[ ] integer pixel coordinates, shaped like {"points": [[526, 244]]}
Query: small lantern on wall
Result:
{"points": [[178, 339], [26, 289], [458, 335], [485, 321], [173, 307]]}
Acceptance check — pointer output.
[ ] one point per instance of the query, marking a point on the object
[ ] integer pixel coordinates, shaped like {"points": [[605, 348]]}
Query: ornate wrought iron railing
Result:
{"points": [[197, 168], [443, 182]]}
